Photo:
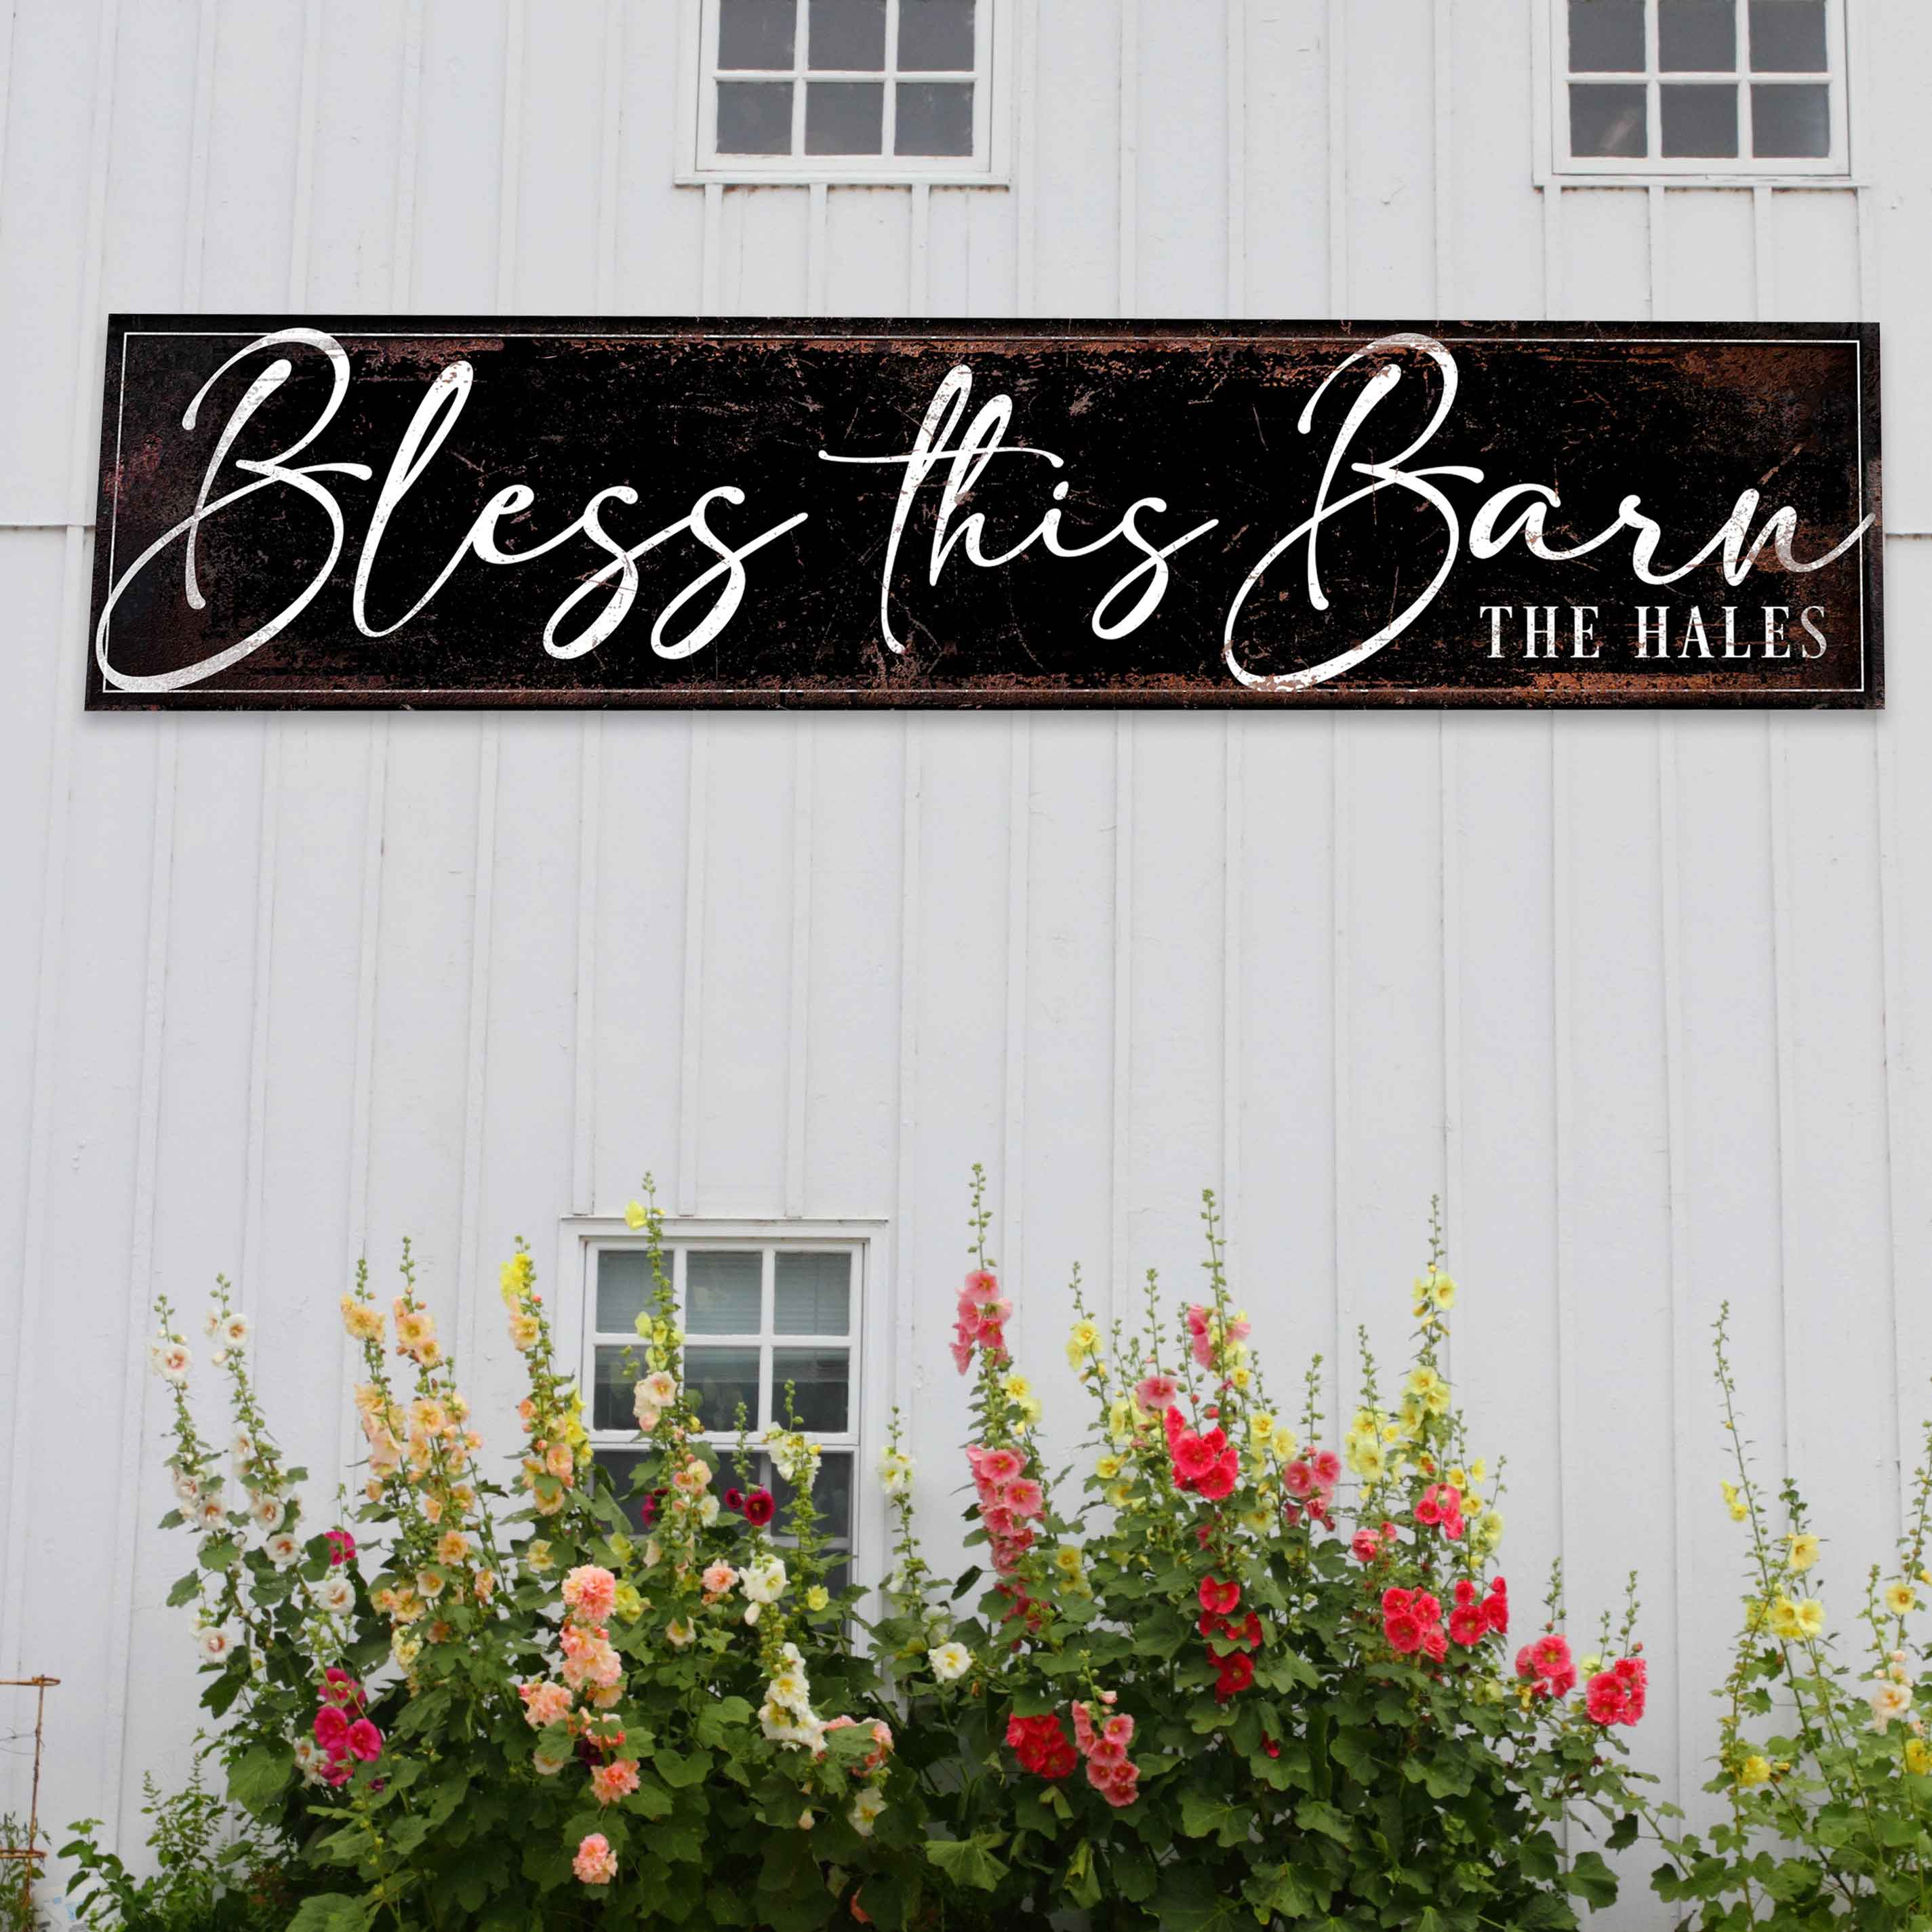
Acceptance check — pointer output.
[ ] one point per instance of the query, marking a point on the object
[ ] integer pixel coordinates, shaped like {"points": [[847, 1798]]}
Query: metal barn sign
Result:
{"points": [[406, 512]]}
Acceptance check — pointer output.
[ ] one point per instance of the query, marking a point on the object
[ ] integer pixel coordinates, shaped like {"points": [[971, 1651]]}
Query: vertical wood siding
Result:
{"points": [[1644, 998]]}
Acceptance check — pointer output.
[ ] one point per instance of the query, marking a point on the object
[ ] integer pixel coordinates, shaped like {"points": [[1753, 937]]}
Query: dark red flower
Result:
{"points": [[734, 1499], [759, 1507]]}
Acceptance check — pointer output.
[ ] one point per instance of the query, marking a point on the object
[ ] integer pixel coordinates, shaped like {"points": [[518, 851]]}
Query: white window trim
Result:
{"points": [[580, 1235], [990, 167], [1556, 167]]}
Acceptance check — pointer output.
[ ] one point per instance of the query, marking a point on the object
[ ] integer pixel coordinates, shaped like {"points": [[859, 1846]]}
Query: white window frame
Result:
{"points": [[1845, 52], [574, 1321], [988, 166]]}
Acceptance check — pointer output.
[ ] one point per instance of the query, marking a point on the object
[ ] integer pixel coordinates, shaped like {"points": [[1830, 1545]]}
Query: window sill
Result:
{"points": [[802, 175]]}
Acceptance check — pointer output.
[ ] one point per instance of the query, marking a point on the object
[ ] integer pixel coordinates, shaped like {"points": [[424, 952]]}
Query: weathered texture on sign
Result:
{"points": [[410, 511]]}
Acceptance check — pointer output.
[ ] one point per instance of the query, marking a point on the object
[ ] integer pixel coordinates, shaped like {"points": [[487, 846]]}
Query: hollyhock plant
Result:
{"points": [[1822, 1766], [1279, 1659]]}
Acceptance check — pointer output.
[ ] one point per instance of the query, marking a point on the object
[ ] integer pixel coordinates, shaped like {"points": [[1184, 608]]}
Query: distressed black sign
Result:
{"points": [[408, 511]]}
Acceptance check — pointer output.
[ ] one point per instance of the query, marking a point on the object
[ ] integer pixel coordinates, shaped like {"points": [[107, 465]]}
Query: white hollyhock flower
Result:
{"points": [[865, 1810], [283, 1550], [213, 1516], [217, 1645], [171, 1358], [335, 1594], [950, 1661], [269, 1513], [235, 1330], [186, 1489]]}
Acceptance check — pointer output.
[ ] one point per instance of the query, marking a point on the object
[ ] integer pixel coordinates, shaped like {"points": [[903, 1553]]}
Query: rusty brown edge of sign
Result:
{"points": [[1621, 693]]}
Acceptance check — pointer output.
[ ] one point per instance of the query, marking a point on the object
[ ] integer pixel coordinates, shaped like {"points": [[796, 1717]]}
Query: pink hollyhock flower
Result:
{"points": [[331, 1730], [1198, 1314], [591, 1592], [981, 1286], [339, 1687], [1024, 1497], [1192, 1458], [1434, 1645], [1395, 1599], [610, 1782], [596, 1863], [1327, 1468], [1106, 1753], [338, 1772], [999, 1518], [961, 1347], [1084, 1733], [364, 1741], [1426, 1513], [1468, 1625], [1403, 1631], [341, 1547], [1119, 1730], [1298, 1479], [1367, 1546], [1220, 1597], [1155, 1393], [1000, 1465]]}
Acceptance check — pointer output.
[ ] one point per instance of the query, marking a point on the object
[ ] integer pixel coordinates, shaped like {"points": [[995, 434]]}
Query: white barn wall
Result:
{"points": [[1642, 997]]}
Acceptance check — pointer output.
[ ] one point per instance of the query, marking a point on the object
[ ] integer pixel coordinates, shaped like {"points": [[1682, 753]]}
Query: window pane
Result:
{"points": [[1699, 120], [1788, 37], [1607, 121], [843, 117], [1606, 37], [1791, 123], [847, 33], [611, 1403], [724, 1294], [1696, 36], [935, 34], [755, 33], [831, 1494], [935, 117], [718, 1380], [822, 1392], [754, 117], [624, 1289], [622, 1465], [814, 1294]]}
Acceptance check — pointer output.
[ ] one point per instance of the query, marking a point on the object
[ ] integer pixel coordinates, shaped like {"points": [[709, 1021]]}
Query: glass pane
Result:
{"points": [[1788, 37], [612, 1405], [624, 1289], [754, 117], [935, 35], [935, 117], [831, 1494], [1606, 37], [822, 1391], [724, 1294], [843, 117], [755, 33], [1699, 120], [1696, 36], [622, 1465], [814, 1294], [847, 33], [718, 1380], [1607, 121], [1791, 123]]}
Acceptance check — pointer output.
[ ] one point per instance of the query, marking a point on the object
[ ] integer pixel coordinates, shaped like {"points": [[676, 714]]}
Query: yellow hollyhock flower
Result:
{"points": [[1918, 1757], [1804, 1548], [634, 1216], [1900, 1598], [1754, 1770], [1784, 1618]]}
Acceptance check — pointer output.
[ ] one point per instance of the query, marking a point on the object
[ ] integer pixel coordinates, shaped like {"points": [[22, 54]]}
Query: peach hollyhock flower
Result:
{"points": [[717, 1579], [610, 1782], [591, 1591], [644, 1410], [431, 1582], [544, 1765], [362, 1320], [526, 1331], [661, 1385], [452, 1547], [596, 1863], [416, 1330], [558, 1459], [1888, 1701]]}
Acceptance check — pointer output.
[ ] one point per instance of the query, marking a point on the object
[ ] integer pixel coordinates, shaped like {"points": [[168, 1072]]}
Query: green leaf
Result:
{"points": [[186, 1589], [1201, 1813], [1623, 1832], [679, 1771], [968, 1861], [258, 1778], [1547, 1912], [1311, 1814], [331, 1911], [1592, 1880], [1190, 1900]]}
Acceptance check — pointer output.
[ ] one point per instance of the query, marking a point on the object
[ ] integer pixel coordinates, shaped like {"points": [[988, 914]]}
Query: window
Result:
{"points": [[843, 90], [767, 1320], [1733, 88]]}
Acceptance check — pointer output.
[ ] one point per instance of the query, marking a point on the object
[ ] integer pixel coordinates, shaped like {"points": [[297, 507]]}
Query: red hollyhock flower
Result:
{"points": [[1434, 1645], [1192, 1458], [1468, 1625], [1219, 1596], [759, 1508], [1233, 1672], [1218, 1484], [1403, 1629]]}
